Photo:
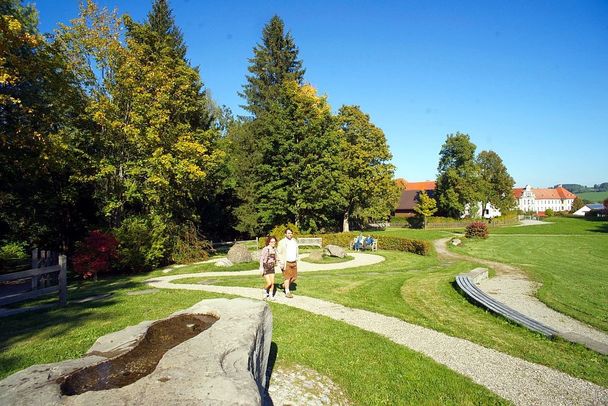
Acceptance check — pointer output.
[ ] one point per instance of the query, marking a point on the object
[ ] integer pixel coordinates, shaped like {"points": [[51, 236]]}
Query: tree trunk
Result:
{"points": [[345, 225]]}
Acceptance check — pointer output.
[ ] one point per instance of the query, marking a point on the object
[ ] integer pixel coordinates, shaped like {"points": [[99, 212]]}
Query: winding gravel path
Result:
{"points": [[519, 381], [512, 287]]}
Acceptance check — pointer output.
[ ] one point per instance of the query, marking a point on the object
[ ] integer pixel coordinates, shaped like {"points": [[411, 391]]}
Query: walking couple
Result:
{"points": [[285, 255]]}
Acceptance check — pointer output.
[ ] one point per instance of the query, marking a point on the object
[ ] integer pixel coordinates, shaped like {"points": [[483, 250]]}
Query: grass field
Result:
{"points": [[597, 197], [570, 257], [559, 226], [372, 370], [419, 290]]}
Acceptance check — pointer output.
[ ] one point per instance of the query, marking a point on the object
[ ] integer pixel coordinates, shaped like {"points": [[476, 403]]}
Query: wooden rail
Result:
{"points": [[466, 285], [36, 276]]}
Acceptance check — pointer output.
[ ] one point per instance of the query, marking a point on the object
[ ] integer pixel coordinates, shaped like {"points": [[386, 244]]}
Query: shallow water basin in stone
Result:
{"points": [[141, 360]]}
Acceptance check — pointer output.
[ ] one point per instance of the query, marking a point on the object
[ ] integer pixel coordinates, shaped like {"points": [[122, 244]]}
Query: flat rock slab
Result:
{"points": [[477, 275], [224, 365]]}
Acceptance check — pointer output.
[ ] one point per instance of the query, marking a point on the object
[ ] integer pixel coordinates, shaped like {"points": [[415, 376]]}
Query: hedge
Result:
{"points": [[384, 242]]}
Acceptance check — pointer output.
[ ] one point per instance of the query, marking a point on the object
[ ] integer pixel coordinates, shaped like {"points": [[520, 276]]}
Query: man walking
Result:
{"points": [[288, 254]]}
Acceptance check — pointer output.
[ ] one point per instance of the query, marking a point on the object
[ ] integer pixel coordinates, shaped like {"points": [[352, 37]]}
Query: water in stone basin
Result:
{"points": [[141, 360]]}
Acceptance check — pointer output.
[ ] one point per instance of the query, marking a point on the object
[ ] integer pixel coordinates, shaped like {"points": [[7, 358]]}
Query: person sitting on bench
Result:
{"points": [[359, 242]]}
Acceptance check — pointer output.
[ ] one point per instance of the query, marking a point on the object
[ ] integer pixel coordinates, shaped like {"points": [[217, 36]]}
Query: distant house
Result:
{"points": [[411, 191], [409, 196], [587, 208], [538, 200]]}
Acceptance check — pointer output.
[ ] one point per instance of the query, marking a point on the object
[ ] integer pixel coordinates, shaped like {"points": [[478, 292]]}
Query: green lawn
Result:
{"points": [[419, 290], [573, 269], [559, 226], [597, 197], [372, 370]]}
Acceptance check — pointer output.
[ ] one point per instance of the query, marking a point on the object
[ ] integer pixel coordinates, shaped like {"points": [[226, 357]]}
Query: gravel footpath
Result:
{"points": [[512, 287], [519, 381]]}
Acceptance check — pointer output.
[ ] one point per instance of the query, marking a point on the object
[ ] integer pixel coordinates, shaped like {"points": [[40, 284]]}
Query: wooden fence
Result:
{"points": [[44, 281]]}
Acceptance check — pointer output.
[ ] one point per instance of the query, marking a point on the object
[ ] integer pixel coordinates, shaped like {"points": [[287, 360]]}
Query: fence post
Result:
{"points": [[35, 258], [63, 286]]}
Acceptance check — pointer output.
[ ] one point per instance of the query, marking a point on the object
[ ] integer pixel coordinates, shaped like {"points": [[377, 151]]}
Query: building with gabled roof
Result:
{"points": [[538, 200], [409, 195]]}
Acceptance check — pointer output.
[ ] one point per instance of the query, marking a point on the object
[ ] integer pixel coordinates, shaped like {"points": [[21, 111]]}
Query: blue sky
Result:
{"points": [[526, 79]]}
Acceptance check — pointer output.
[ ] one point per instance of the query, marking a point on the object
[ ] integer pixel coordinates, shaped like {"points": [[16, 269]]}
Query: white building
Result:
{"points": [[539, 200], [588, 207]]}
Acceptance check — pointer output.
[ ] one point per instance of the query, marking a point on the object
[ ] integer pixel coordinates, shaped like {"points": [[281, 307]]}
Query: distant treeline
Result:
{"points": [[575, 188]]}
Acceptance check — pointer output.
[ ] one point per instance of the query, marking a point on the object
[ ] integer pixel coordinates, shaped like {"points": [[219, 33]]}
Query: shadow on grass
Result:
{"points": [[272, 359], [57, 321], [600, 228]]}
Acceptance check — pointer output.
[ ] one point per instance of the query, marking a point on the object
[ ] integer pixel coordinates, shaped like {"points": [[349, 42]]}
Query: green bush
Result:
{"points": [[13, 251], [145, 243], [549, 212], [384, 242], [399, 221], [477, 229], [279, 231], [189, 247], [13, 257]]}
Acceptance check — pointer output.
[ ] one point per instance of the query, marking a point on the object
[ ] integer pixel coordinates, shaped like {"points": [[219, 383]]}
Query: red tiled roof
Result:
{"points": [[557, 193], [426, 185], [518, 191]]}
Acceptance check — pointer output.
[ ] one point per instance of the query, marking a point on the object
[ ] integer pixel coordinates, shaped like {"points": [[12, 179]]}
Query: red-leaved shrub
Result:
{"points": [[477, 229], [95, 254]]}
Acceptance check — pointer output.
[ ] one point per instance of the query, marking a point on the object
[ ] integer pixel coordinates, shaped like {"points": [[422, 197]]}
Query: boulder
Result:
{"points": [[239, 253], [222, 365], [224, 262], [335, 251], [255, 255], [316, 255]]}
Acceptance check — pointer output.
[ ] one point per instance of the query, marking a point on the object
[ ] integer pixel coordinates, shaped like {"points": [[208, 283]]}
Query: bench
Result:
{"points": [[373, 246], [466, 285], [310, 241]]}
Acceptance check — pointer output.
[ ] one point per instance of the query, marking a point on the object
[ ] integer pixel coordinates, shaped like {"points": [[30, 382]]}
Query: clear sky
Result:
{"points": [[527, 79]]}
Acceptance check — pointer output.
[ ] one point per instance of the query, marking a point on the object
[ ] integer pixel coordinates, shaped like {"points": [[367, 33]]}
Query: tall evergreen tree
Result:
{"points": [[458, 186], [274, 60], [161, 21], [260, 141]]}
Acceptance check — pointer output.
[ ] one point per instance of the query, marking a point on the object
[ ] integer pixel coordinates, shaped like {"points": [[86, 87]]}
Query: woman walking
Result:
{"points": [[268, 259]]}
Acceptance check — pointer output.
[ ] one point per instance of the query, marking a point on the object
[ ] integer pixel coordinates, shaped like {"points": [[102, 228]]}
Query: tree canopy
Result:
{"points": [[496, 185], [458, 184], [366, 174], [106, 125], [466, 183]]}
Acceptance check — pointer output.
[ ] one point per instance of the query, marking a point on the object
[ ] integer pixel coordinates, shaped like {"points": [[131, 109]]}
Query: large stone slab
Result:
{"points": [[335, 251], [238, 253], [224, 365]]}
